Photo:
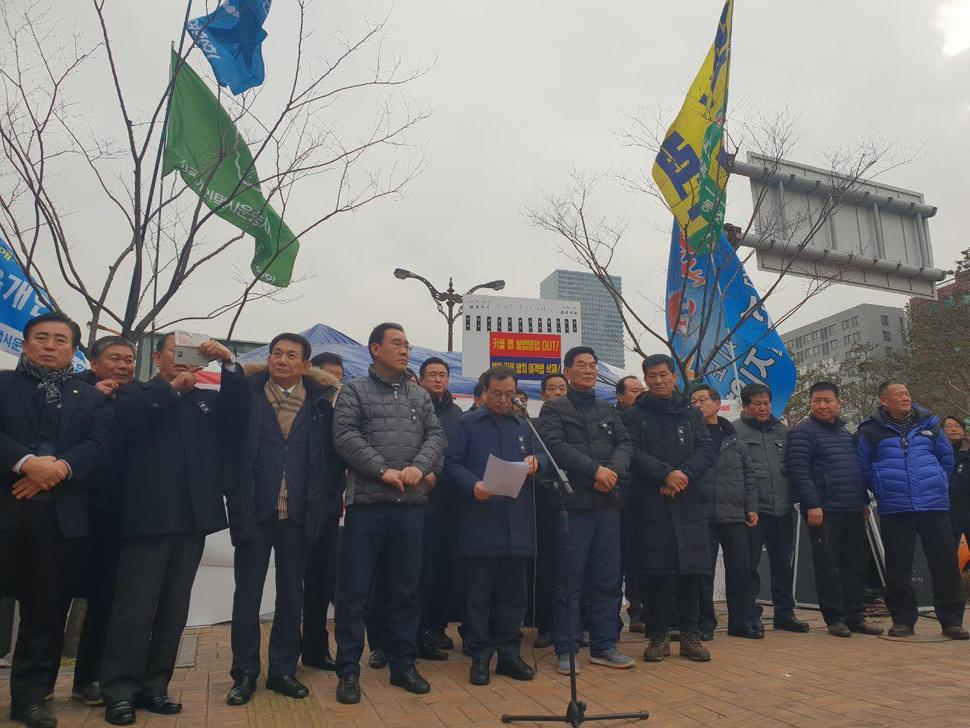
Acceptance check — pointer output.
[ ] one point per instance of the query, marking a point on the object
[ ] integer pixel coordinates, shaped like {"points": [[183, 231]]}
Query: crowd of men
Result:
{"points": [[111, 485]]}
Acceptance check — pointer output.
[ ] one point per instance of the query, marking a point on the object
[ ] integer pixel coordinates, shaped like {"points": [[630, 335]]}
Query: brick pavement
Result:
{"points": [[807, 681]]}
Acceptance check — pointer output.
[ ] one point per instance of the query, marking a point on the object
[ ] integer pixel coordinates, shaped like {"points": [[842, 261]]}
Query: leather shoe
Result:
{"points": [[242, 690], [410, 679], [377, 660], [440, 640], [839, 629], [326, 662], [864, 627], [37, 715], [121, 712], [160, 704], [956, 632], [287, 685], [543, 640], [516, 669], [88, 693], [348, 690], [748, 633], [791, 624], [901, 630], [706, 635], [478, 674], [427, 651]]}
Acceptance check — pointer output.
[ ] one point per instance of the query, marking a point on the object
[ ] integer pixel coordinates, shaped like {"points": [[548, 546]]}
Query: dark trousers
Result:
{"points": [[594, 556], [777, 535], [841, 564], [433, 571], [732, 538], [899, 531], [376, 614], [631, 569], [671, 599], [288, 541], [42, 558], [319, 591], [496, 601], [151, 604], [542, 578], [385, 537], [102, 572]]}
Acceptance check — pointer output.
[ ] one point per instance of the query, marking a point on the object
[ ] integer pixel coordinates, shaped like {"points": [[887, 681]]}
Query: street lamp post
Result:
{"points": [[449, 298]]}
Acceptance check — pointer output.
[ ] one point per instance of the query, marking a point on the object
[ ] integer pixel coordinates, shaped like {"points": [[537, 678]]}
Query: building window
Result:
{"points": [[468, 323], [845, 324], [478, 323], [885, 320], [825, 349], [530, 324], [889, 350], [856, 337], [549, 325], [846, 340], [886, 336], [558, 325], [855, 321], [520, 324], [540, 324], [498, 323], [488, 323], [510, 324], [575, 328]]}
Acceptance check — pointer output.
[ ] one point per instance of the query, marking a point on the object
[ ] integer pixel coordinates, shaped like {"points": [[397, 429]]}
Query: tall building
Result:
{"points": [[602, 326], [826, 342]]}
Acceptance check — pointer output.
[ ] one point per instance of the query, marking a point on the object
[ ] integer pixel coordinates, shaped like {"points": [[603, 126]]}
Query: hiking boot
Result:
{"points": [[657, 650], [611, 658], [692, 649]]}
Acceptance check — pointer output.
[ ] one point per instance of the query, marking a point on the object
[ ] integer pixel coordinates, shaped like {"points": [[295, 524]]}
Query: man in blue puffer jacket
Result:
{"points": [[824, 468], [906, 460]]}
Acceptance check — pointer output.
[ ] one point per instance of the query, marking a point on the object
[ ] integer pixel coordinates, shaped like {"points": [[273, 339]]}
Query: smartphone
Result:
{"points": [[187, 349]]}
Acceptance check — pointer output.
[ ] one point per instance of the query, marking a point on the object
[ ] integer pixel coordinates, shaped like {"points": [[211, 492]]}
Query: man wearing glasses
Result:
{"points": [[387, 431]]}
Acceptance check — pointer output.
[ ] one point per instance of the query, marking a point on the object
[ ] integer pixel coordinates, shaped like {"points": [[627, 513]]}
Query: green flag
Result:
{"points": [[207, 150]]}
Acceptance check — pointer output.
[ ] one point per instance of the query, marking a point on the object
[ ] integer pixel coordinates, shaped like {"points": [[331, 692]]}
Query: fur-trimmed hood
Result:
{"points": [[325, 379]]}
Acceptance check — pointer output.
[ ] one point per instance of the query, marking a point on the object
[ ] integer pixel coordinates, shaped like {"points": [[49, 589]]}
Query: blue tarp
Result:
{"points": [[357, 359]]}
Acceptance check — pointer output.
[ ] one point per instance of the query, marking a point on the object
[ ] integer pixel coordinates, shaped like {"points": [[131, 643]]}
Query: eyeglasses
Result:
{"points": [[584, 367], [499, 395]]}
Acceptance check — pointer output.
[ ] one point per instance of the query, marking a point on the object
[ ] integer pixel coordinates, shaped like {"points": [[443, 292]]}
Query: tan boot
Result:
{"points": [[692, 649], [657, 650]]}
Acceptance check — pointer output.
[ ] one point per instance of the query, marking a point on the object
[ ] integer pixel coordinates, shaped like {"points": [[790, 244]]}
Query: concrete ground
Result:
{"points": [[806, 680]]}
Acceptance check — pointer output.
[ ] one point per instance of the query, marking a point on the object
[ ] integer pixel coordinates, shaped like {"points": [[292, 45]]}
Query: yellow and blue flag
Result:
{"points": [[688, 169]]}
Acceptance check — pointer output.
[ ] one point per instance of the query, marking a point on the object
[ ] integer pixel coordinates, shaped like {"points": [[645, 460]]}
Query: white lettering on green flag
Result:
{"points": [[205, 147]]}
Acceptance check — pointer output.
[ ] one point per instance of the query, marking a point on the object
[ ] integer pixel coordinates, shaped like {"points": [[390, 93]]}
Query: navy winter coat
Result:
{"points": [[674, 533], [960, 489], [499, 526], [906, 473], [823, 466]]}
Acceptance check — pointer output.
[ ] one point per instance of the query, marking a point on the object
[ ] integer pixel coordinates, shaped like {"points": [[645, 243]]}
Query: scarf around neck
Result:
{"points": [[286, 406], [50, 382]]}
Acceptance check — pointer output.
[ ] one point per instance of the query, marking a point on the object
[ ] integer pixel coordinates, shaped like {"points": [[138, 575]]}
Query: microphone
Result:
{"points": [[517, 401]]}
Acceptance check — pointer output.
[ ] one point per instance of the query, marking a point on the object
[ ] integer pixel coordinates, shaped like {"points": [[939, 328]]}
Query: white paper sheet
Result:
{"points": [[504, 478]]}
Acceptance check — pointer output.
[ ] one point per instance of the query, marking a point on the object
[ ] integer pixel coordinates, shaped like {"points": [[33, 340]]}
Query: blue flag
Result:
{"points": [[231, 37], [713, 286], [19, 303]]}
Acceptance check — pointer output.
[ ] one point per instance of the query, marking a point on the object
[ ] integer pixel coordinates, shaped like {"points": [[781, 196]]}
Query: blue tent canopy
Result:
{"points": [[357, 360]]}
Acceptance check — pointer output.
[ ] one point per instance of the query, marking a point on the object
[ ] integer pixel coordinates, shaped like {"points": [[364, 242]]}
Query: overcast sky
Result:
{"points": [[522, 92]]}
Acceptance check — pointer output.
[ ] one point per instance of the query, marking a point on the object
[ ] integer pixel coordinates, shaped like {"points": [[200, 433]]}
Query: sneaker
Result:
{"points": [[657, 650], [692, 649], [611, 658], [410, 679], [562, 666]]}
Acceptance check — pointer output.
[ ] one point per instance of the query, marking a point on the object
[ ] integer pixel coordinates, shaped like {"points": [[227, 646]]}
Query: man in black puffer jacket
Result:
{"points": [[734, 509], [824, 469], [588, 440], [671, 452]]}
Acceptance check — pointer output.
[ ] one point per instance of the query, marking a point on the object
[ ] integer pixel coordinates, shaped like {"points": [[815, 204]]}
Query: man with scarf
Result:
{"points": [[278, 506], [54, 432], [906, 460]]}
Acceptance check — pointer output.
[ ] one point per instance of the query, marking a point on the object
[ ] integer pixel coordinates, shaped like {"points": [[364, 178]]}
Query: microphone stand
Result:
{"points": [[576, 710]]}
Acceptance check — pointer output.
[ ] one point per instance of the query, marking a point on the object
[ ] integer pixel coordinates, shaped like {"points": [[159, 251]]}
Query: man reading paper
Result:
{"points": [[496, 534]]}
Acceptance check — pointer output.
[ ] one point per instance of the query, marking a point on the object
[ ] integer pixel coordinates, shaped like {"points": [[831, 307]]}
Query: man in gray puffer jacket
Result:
{"points": [[386, 430], [734, 509]]}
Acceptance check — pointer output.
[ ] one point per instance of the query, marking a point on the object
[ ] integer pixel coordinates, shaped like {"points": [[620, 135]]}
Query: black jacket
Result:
{"points": [[174, 473], [823, 466], [499, 526], [674, 532], [731, 483], [440, 501], [82, 441], [960, 488], [583, 438], [324, 468]]}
